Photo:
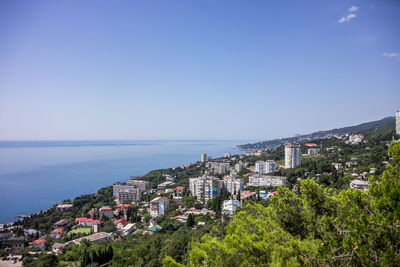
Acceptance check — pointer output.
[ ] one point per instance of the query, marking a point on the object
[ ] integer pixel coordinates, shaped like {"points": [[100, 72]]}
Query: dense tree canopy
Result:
{"points": [[314, 226]]}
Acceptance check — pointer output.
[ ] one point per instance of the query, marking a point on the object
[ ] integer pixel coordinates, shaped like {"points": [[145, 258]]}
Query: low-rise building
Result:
{"points": [[129, 228], [247, 196], [266, 180], [17, 244], [85, 222], [64, 223], [57, 247], [337, 166], [169, 178], [30, 232], [166, 184], [57, 233], [102, 236], [159, 206], [39, 243], [123, 207], [312, 151], [64, 207], [359, 184], [229, 207], [106, 211], [120, 223], [352, 162], [356, 138]]}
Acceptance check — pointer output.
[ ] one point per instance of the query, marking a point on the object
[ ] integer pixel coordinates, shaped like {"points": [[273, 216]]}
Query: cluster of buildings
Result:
{"points": [[355, 139], [220, 167], [131, 190], [206, 187]]}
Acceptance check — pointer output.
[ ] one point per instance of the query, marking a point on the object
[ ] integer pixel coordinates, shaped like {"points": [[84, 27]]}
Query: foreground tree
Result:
{"points": [[316, 226]]}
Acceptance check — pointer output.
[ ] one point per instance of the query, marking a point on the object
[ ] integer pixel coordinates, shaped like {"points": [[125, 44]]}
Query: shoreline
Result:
{"points": [[54, 205]]}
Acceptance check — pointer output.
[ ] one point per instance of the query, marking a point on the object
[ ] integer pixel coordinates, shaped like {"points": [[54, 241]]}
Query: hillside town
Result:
{"points": [[219, 187]]}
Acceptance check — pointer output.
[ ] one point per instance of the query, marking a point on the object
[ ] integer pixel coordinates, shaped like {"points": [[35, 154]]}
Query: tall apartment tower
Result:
{"points": [[204, 157], [398, 122], [205, 188], [292, 156]]}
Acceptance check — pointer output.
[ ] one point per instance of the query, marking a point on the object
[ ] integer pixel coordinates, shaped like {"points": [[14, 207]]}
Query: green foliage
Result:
{"points": [[190, 220], [44, 260], [109, 227], [170, 262], [316, 226]]}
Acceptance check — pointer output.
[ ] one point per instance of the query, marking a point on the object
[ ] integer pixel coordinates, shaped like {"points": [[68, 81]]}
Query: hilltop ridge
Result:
{"points": [[385, 122]]}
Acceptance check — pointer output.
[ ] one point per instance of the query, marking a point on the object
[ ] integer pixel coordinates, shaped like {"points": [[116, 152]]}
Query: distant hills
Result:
{"points": [[386, 122]]}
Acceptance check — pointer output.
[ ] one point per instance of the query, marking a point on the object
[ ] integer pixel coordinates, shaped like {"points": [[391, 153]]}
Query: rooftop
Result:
{"points": [[38, 241]]}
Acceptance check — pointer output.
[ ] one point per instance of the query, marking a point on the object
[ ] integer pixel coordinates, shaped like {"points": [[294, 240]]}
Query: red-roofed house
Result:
{"points": [[39, 243], [57, 233], [123, 206], [310, 144], [106, 211], [120, 223]]}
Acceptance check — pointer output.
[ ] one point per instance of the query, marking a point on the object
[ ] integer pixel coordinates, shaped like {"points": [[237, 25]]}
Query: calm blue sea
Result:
{"points": [[32, 174]]}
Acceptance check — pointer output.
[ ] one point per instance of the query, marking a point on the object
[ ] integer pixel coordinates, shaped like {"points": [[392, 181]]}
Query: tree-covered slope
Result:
{"points": [[383, 123], [315, 226]]}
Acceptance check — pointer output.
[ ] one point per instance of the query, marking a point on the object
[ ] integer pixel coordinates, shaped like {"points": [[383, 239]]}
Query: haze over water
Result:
{"points": [[32, 173]]}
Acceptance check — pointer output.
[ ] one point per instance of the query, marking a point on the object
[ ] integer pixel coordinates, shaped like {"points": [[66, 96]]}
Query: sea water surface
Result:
{"points": [[36, 174]]}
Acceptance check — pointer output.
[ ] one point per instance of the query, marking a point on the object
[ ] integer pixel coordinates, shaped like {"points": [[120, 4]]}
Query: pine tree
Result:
{"points": [[190, 220]]}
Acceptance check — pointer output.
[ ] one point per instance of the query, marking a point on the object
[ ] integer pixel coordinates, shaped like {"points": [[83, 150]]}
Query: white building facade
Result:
{"points": [[312, 151], [229, 207], [398, 122], [204, 157], [205, 188], [270, 166], [292, 156], [266, 180], [260, 167], [159, 206], [233, 185]]}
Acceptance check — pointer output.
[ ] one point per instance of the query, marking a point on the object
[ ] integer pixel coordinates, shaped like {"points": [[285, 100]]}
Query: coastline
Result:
{"points": [[95, 174]]}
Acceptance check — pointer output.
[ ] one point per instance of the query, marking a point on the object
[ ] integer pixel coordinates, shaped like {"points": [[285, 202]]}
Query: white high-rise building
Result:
{"points": [[260, 167], [204, 157], [292, 156], [205, 188], [233, 185], [270, 166], [398, 122]]}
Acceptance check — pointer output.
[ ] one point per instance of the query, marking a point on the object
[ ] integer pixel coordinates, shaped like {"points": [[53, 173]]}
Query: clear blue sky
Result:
{"points": [[195, 69]]}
